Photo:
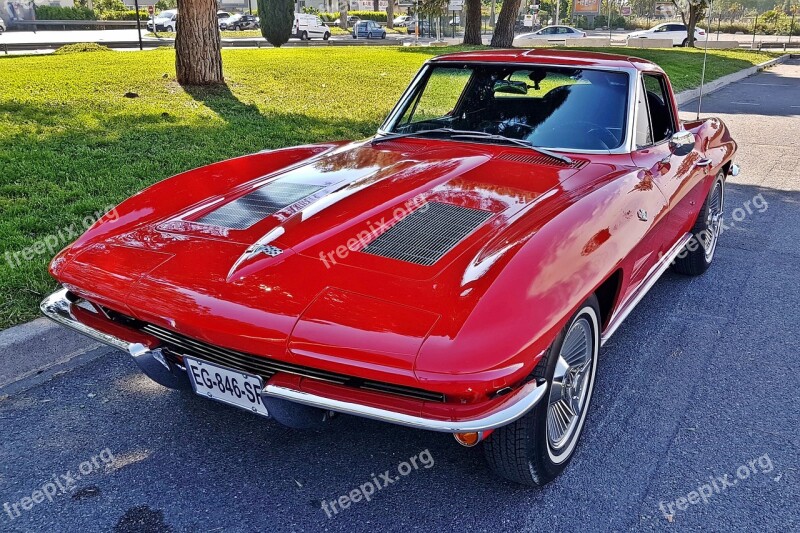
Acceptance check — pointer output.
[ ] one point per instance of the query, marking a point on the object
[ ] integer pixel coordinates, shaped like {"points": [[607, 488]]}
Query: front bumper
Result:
{"points": [[498, 412]]}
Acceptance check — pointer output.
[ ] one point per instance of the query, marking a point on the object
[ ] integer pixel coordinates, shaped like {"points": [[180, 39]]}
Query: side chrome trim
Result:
{"points": [[644, 287], [56, 307], [516, 405]]}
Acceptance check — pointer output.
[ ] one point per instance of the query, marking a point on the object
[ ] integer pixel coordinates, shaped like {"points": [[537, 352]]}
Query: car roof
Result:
{"points": [[568, 58]]}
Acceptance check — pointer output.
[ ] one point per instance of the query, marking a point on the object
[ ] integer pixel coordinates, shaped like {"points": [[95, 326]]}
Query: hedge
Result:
{"points": [[84, 13], [64, 13], [377, 16]]}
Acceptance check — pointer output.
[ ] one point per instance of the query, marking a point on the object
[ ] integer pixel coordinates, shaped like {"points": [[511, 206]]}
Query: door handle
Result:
{"points": [[703, 162]]}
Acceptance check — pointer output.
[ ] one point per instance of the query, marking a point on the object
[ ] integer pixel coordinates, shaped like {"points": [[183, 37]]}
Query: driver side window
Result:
{"points": [[655, 120]]}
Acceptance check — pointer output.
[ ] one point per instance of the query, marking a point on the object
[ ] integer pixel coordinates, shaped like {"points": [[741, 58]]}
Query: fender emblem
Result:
{"points": [[642, 214], [268, 249]]}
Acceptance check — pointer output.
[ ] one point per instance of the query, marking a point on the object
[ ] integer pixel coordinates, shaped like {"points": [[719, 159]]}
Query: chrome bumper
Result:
{"points": [[516, 406], [153, 364]]}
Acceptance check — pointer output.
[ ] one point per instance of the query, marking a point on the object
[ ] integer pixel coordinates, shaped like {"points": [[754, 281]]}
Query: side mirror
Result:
{"points": [[681, 143]]}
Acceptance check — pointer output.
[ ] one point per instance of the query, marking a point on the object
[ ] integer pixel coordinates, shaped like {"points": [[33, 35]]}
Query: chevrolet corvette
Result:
{"points": [[456, 272]]}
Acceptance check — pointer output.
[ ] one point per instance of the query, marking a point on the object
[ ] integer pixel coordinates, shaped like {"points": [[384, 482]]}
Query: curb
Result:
{"points": [[688, 95], [33, 352]]}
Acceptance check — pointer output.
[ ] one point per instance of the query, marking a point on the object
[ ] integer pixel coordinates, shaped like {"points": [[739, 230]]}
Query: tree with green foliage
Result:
{"points": [[277, 19]]}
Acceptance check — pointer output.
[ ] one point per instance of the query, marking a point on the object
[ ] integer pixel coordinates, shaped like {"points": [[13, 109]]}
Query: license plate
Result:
{"points": [[233, 387]]}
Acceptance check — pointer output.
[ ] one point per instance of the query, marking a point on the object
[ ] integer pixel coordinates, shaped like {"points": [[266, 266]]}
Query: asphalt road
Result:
{"points": [[698, 384]]}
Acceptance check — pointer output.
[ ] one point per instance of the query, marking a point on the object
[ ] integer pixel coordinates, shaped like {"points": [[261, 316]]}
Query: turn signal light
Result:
{"points": [[470, 439]]}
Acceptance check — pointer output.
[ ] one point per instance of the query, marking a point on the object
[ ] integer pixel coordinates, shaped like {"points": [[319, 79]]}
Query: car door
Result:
{"points": [[677, 175], [677, 33]]}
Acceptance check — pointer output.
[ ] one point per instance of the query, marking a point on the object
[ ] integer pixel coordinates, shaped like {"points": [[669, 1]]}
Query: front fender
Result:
{"points": [[537, 289]]}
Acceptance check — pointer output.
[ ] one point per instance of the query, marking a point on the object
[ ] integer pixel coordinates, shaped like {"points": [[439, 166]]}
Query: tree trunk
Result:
{"points": [[197, 48], [694, 11], [390, 14], [472, 22], [343, 14], [503, 35]]}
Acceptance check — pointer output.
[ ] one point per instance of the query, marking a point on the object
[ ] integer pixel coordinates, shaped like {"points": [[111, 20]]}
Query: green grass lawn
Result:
{"points": [[71, 143]]}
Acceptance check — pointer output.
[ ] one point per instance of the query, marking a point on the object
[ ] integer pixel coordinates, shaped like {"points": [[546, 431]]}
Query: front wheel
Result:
{"points": [[537, 447], [698, 253]]}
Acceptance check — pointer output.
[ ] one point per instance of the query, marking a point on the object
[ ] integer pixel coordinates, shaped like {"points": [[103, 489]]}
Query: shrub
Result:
{"points": [[129, 14], [600, 21], [377, 16], [82, 47], [64, 13], [277, 21]]}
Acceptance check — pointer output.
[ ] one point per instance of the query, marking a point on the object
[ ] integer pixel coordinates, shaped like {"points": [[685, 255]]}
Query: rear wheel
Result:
{"points": [[326, 36], [304, 36], [369, 36], [698, 254], [537, 447], [685, 42]]}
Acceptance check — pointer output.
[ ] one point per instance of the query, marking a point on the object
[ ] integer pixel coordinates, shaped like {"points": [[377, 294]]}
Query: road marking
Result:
{"points": [[768, 84], [744, 103]]}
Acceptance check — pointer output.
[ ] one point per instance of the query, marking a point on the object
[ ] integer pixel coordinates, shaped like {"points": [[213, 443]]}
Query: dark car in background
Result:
{"points": [[368, 29], [424, 28], [239, 22]]}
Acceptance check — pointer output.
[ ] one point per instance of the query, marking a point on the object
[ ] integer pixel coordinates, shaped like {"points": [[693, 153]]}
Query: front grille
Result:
{"points": [[266, 368], [427, 234], [541, 160], [257, 205]]}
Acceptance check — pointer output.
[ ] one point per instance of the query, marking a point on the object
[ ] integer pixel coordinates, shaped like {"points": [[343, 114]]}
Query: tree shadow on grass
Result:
{"points": [[62, 168]]}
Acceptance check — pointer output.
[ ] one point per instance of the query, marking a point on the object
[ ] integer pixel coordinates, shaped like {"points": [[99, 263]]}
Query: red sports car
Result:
{"points": [[457, 272]]}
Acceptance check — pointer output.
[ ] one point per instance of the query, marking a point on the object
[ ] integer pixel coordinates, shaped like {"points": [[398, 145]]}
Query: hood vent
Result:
{"points": [[400, 146], [427, 234], [257, 205], [541, 160]]}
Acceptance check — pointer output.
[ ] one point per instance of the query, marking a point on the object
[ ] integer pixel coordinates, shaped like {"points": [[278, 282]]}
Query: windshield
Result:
{"points": [[549, 107]]}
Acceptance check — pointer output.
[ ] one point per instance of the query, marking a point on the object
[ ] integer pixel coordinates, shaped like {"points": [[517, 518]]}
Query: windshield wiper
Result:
{"points": [[466, 134], [518, 142], [390, 137]]}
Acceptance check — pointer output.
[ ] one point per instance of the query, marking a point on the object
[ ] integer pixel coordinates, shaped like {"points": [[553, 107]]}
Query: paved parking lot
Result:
{"points": [[696, 394]]}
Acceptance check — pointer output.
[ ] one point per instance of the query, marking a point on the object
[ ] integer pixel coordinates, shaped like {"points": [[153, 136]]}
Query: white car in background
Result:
{"points": [[307, 26], [669, 30], [402, 21], [167, 20], [554, 33]]}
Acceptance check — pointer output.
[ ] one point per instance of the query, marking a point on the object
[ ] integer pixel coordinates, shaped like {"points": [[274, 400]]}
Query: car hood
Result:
{"points": [[334, 251]]}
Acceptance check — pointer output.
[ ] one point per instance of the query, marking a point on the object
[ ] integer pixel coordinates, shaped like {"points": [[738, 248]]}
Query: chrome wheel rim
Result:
{"points": [[571, 388], [716, 202]]}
